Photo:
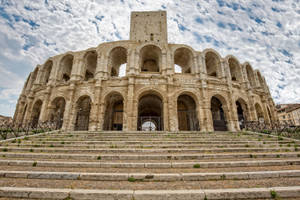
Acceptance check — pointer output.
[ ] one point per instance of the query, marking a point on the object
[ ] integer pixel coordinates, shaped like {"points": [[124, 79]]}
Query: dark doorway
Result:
{"points": [[187, 115], [113, 119], [150, 111], [218, 116], [83, 114]]}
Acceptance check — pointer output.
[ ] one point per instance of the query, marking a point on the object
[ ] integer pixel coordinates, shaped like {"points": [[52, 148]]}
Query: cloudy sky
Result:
{"points": [[264, 32]]}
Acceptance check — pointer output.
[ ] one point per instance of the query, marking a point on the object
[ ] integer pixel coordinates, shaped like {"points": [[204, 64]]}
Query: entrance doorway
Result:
{"points": [[218, 116], [187, 115], [150, 113], [113, 119]]}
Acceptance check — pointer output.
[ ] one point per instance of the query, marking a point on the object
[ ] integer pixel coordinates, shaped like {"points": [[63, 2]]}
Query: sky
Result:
{"points": [[266, 33]]}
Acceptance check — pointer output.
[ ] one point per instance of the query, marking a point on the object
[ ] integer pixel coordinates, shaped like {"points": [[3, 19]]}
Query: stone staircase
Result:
{"points": [[150, 165]]}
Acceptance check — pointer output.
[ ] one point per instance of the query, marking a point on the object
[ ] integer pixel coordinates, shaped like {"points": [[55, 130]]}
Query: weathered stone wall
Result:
{"points": [[75, 75]]}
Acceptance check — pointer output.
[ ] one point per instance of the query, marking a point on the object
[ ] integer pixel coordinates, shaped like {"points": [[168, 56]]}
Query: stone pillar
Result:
{"points": [[29, 110], [77, 67], [207, 117], [94, 115], [223, 72], [166, 114], [164, 67], [170, 63], [130, 101], [196, 67], [172, 107], [70, 111], [45, 106]]}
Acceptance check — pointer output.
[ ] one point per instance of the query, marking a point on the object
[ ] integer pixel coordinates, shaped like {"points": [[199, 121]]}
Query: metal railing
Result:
{"points": [[286, 128], [13, 130]]}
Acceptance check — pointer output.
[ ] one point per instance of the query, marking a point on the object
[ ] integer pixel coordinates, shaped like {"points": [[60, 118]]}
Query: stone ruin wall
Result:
{"points": [[83, 90]]}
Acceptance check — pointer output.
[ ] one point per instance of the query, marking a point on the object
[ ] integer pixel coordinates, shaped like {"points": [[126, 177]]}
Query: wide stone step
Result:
{"points": [[112, 145], [241, 193], [221, 164], [94, 157], [135, 142], [149, 176], [113, 150]]}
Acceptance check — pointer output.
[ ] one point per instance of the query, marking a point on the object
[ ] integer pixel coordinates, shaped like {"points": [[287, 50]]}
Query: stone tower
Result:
{"points": [[149, 26]]}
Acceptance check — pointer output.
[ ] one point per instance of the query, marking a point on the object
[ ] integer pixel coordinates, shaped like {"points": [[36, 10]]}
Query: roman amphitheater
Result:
{"points": [[145, 83]]}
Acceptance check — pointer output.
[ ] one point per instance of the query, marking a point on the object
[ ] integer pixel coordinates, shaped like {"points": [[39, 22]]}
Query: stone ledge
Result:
{"points": [[150, 176], [151, 165], [215, 194]]}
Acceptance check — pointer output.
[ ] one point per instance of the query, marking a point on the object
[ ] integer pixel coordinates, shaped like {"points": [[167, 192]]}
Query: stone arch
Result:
{"points": [[183, 57], [235, 69], [259, 112], [187, 113], [114, 108], [47, 71], [90, 60], [260, 79], [242, 111], [35, 113], [150, 58], [57, 110], [150, 110], [83, 109], [219, 112], [213, 63], [250, 75], [117, 59], [65, 67]]}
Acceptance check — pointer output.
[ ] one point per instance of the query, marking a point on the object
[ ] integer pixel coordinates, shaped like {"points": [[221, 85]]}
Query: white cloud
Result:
{"points": [[261, 32]]}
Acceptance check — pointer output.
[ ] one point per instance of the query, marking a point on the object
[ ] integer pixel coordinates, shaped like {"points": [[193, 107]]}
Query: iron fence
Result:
{"points": [[286, 128], [10, 129]]}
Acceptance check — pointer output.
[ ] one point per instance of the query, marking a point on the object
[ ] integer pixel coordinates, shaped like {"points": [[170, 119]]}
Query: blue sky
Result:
{"points": [[265, 33]]}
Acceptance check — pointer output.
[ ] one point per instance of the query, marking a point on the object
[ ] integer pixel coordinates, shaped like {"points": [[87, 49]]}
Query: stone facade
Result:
{"points": [[83, 90]]}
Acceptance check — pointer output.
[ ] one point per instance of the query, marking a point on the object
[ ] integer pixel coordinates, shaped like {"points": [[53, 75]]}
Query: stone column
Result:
{"points": [[70, 111], [166, 114], [29, 110], [164, 67], [130, 101], [45, 106]]}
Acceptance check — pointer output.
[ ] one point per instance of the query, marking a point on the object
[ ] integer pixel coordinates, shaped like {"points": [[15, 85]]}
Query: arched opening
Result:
{"points": [[118, 61], [113, 119], [36, 111], [66, 68], [150, 109], [83, 109], [242, 112], [260, 79], [150, 59], [235, 70], [47, 71], [259, 113], [183, 58], [212, 63], [187, 114], [218, 115], [57, 111], [250, 75], [90, 65]]}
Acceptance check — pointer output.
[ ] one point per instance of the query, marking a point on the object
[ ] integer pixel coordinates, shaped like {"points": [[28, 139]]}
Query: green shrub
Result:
{"points": [[131, 179], [196, 165], [34, 164], [99, 158]]}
